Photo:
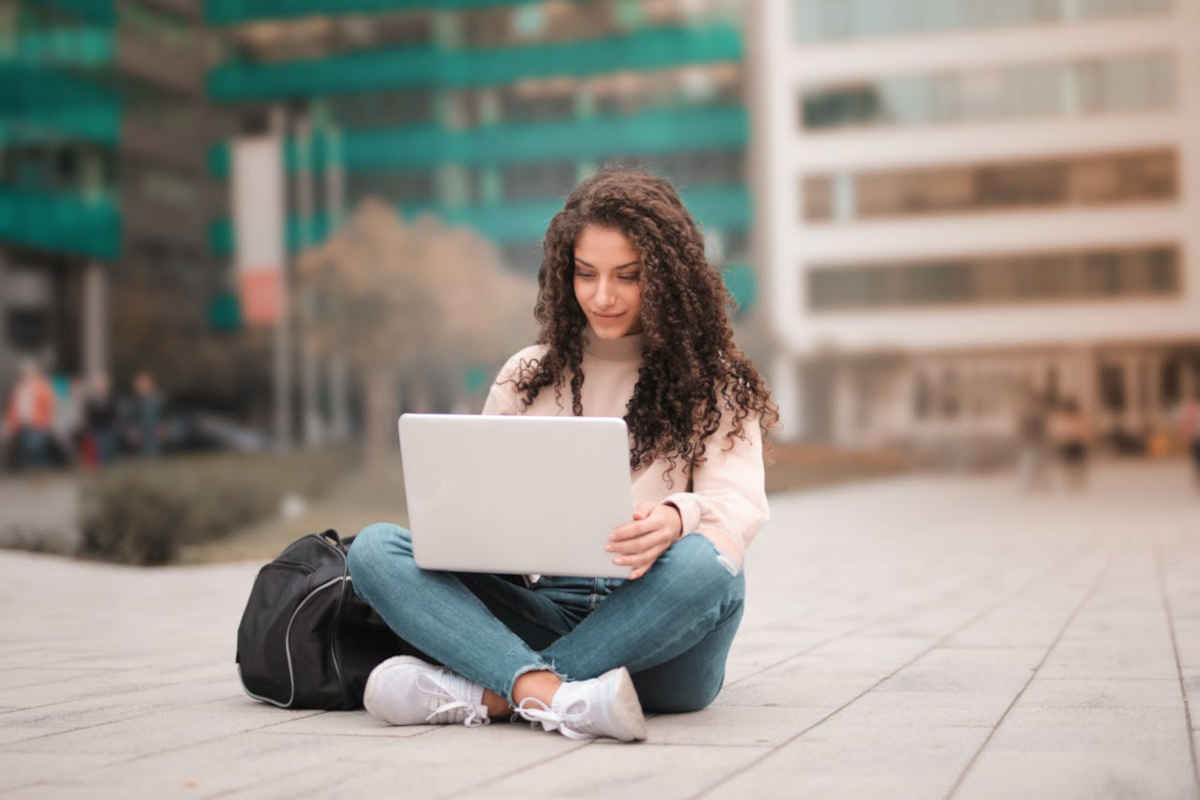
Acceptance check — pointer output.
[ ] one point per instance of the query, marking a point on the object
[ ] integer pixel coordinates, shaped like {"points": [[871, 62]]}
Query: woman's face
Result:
{"points": [[608, 281]]}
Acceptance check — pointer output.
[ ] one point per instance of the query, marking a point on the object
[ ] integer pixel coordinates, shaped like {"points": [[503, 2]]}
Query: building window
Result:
{"points": [[28, 328], [1171, 384], [1151, 271], [1139, 82], [1126, 177], [949, 395], [1112, 387], [326, 35], [538, 181], [832, 20], [382, 109], [922, 396]]}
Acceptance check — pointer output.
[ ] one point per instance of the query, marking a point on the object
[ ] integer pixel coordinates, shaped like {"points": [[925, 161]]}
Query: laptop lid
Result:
{"points": [[516, 494]]}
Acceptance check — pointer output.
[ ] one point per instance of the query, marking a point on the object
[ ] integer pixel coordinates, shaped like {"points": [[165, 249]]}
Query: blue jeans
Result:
{"points": [[671, 628], [34, 446]]}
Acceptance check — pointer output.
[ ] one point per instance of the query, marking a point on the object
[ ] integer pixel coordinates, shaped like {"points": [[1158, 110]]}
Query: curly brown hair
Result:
{"points": [[691, 370]]}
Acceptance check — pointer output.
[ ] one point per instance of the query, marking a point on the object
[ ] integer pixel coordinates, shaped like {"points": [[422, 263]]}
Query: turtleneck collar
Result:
{"points": [[627, 348]]}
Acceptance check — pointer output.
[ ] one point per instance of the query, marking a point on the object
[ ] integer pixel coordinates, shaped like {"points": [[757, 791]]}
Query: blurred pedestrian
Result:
{"points": [[1031, 428], [100, 418], [66, 416], [147, 414], [1189, 423], [1071, 434], [29, 417]]}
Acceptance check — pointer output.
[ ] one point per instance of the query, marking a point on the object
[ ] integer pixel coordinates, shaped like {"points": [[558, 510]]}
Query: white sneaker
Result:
{"points": [[404, 690], [604, 706]]}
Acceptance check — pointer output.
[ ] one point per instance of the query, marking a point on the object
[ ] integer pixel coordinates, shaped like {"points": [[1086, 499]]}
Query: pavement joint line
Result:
{"points": [[136, 715], [1087, 596], [705, 744], [518, 770], [1161, 573], [112, 694], [311, 791], [1074, 557], [378, 736]]}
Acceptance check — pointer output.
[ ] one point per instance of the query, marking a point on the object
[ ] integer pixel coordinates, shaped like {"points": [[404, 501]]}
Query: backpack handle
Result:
{"points": [[332, 535]]}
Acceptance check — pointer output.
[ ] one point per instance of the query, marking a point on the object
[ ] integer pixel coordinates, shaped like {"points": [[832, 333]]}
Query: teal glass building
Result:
{"points": [[103, 177], [487, 112]]}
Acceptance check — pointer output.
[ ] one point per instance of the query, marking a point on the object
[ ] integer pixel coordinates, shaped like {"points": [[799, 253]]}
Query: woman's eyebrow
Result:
{"points": [[633, 263]]}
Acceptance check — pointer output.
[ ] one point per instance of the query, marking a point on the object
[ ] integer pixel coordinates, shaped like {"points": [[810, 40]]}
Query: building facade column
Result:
{"points": [[339, 398], [313, 425], [337, 369], [94, 331], [785, 386]]}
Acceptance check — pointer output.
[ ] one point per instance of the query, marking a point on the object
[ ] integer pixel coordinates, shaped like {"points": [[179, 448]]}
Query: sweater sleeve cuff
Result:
{"points": [[689, 510]]}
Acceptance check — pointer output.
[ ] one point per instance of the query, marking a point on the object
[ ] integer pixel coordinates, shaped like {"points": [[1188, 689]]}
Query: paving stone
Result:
{"points": [[1110, 659], [802, 681], [1112, 775], [23, 769], [605, 770], [347, 723], [1128, 729], [22, 678], [1002, 671], [217, 767], [161, 731], [733, 725], [840, 760], [1103, 693], [921, 709], [88, 712]]}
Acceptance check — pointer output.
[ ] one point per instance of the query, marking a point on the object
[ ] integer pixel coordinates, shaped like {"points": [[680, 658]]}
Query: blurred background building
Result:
{"points": [[965, 201], [103, 180], [487, 113], [119, 120], [955, 204]]}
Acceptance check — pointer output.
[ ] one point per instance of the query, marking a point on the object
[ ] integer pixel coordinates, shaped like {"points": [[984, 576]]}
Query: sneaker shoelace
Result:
{"points": [[470, 714], [568, 721]]}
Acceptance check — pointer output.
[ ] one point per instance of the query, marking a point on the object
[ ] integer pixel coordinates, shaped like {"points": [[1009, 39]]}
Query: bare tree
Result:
{"points": [[412, 305]]}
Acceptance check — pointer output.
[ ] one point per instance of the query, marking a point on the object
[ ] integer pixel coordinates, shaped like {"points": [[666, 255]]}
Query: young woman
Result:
{"points": [[633, 324]]}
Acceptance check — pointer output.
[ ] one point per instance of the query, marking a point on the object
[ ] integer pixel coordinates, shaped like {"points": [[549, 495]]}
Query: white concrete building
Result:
{"points": [[959, 199]]}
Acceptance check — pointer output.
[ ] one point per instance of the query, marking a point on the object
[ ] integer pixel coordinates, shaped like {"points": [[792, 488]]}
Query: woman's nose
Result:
{"points": [[604, 293]]}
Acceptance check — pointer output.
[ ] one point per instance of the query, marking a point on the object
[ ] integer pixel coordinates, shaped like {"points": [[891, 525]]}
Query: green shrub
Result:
{"points": [[141, 512]]}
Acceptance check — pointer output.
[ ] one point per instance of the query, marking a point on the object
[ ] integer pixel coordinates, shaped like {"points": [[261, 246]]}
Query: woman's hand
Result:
{"points": [[655, 527]]}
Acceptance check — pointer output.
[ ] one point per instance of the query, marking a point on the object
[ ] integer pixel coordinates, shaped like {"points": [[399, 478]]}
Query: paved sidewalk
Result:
{"points": [[916, 637]]}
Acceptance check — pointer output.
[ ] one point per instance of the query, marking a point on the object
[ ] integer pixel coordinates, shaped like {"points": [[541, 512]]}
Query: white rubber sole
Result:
{"points": [[626, 708]]}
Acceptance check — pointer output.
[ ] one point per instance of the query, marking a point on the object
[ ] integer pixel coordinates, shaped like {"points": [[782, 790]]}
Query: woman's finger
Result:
{"points": [[633, 529], [655, 537], [631, 543], [642, 570], [644, 558]]}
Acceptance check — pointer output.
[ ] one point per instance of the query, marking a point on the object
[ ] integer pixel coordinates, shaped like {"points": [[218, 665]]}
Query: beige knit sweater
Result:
{"points": [[726, 498]]}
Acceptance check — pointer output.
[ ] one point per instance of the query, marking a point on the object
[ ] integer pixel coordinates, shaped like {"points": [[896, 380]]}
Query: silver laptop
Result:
{"points": [[513, 494]]}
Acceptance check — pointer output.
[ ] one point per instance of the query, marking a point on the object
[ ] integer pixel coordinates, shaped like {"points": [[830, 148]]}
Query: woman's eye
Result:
{"points": [[587, 276], [631, 278]]}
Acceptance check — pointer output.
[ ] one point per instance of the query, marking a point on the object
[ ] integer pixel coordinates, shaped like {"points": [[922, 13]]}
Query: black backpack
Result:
{"points": [[306, 640]]}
